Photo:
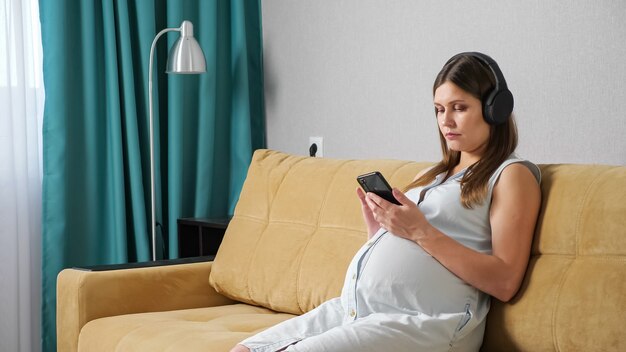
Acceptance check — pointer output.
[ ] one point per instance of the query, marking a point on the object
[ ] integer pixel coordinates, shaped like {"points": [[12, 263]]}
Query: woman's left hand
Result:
{"points": [[405, 220]]}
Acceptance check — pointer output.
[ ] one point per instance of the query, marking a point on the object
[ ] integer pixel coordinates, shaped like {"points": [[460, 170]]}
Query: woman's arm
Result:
{"points": [[514, 209]]}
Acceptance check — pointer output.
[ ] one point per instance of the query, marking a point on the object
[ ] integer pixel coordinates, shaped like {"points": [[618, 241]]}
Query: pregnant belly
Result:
{"points": [[400, 276]]}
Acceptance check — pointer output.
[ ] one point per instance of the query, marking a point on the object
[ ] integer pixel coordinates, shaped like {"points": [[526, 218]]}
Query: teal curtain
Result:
{"points": [[96, 185]]}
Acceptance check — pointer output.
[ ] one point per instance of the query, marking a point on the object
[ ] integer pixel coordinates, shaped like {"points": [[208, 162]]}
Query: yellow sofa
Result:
{"points": [[295, 228]]}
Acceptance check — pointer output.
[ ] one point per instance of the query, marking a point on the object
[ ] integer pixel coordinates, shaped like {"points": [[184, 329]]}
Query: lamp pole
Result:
{"points": [[185, 57]]}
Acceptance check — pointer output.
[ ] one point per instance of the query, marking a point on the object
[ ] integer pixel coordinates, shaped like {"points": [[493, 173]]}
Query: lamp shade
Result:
{"points": [[186, 56]]}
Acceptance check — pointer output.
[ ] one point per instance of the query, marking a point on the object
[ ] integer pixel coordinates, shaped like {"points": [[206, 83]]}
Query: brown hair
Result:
{"points": [[471, 75]]}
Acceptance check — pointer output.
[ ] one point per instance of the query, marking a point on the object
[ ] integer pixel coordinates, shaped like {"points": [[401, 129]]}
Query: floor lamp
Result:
{"points": [[185, 57]]}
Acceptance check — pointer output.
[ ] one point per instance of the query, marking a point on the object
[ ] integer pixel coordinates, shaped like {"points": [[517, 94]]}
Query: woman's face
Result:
{"points": [[460, 119]]}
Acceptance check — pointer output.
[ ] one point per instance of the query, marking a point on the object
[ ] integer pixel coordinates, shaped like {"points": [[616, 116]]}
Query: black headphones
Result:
{"points": [[497, 104]]}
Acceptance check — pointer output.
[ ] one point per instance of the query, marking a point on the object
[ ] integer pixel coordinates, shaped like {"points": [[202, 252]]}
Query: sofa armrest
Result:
{"points": [[85, 295]]}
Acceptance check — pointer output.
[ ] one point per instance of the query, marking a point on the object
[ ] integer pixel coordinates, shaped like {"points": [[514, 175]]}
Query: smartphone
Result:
{"points": [[375, 182]]}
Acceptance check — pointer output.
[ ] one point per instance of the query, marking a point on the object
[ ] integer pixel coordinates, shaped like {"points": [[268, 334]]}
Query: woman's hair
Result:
{"points": [[474, 77]]}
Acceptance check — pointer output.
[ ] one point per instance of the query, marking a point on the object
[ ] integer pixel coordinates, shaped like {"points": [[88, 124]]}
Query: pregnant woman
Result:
{"points": [[461, 234]]}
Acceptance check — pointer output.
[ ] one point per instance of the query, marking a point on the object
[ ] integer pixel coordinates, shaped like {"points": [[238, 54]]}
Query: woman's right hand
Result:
{"points": [[240, 348], [372, 225]]}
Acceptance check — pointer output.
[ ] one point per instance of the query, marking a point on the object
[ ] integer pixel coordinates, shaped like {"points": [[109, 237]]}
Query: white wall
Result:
{"points": [[360, 73]]}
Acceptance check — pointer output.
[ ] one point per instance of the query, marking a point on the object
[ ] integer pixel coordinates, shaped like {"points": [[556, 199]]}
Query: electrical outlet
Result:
{"points": [[319, 141]]}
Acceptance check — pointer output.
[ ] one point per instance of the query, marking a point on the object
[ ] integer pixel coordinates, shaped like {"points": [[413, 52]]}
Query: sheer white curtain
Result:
{"points": [[21, 114]]}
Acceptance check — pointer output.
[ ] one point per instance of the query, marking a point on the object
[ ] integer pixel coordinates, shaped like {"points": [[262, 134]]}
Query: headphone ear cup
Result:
{"points": [[498, 107]]}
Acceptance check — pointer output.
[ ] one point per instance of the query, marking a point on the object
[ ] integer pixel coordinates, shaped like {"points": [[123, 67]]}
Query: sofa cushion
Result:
{"points": [[295, 229], [200, 329]]}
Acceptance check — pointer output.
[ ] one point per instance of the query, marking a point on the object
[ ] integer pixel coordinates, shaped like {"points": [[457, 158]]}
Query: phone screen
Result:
{"points": [[375, 182]]}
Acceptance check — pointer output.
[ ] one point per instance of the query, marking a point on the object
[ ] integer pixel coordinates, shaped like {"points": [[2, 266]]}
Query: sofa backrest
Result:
{"points": [[298, 223], [574, 294]]}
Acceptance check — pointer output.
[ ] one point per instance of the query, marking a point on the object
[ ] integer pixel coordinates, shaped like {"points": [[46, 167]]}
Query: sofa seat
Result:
{"points": [[201, 329]]}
